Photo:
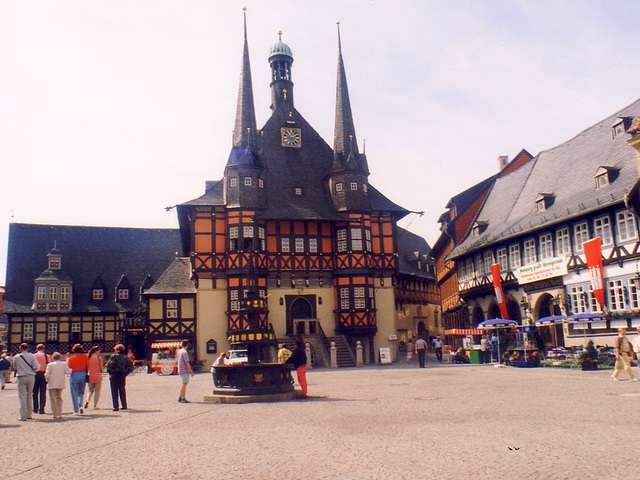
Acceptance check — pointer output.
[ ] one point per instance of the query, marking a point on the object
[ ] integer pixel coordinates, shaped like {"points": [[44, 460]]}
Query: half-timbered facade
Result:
{"points": [[534, 224], [293, 238], [68, 285]]}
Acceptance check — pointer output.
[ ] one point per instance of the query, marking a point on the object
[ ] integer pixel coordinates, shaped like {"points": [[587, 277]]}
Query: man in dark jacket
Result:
{"points": [[299, 361], [118, 367]]}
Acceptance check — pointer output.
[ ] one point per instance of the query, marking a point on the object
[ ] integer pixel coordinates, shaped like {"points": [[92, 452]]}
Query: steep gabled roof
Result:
{"points": [[89, 254], [176, 279], [568, 171], [412, 248]]}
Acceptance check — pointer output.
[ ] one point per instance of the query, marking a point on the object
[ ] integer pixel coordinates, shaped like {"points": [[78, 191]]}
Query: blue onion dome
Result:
{"points": [[280, 48]]}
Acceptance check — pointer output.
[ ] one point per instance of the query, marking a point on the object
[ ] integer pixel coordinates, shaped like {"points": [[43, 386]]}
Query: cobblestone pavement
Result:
{"points": [[394, 422]]}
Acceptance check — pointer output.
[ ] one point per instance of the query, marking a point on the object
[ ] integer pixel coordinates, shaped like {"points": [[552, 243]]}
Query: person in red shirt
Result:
{"points": [[79, 366]]}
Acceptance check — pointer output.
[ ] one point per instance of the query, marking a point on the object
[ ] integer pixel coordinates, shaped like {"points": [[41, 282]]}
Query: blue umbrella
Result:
{"points": [[551, 320], [497, 323]]}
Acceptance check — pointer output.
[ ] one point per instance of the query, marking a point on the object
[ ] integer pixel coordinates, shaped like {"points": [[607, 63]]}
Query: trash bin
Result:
{"points": [[475, 356]]}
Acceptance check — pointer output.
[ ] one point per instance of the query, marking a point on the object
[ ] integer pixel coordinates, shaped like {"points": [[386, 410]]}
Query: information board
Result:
{"points": [[385, 355]]}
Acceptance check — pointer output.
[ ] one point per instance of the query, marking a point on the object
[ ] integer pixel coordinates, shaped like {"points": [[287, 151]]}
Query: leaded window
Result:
{"points": [[514, 256], [581, 235], [546, 246], [602, 227], [529, 251], [563, 243]]}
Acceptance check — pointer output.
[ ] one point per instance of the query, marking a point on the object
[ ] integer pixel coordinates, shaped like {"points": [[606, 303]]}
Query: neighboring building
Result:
{"points": [[68, 285], [455, 224], [534, 223], [417, 298], [294, 237]]}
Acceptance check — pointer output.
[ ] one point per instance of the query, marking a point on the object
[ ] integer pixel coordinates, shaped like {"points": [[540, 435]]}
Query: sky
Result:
{"points": [[111, 111]]}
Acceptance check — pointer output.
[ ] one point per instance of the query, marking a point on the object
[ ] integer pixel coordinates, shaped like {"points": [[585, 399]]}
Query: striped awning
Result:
{"points": [[168, 345], [464, 331]]}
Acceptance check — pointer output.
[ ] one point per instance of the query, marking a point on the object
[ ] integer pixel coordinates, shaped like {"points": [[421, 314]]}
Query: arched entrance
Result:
{"points": [[551, 335], [513, 309], [299, 307], [478, 316], [422, 331], [494, 311]]}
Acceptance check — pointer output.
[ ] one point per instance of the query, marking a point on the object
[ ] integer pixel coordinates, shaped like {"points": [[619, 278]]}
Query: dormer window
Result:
{"points": [[544, 201], [338, 187], [605, 176], [123, 294], [354, 185], [479, 227], [297, 191], [233, 182], [248, 181], [97, 294], [620, 125]]}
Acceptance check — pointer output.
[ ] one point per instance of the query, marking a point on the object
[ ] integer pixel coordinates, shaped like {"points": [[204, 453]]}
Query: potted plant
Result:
{"points": [[588, 358]]}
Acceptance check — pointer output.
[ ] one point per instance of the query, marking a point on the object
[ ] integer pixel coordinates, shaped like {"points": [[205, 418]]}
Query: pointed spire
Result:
{"points": [[244, 133], [345, 133]]}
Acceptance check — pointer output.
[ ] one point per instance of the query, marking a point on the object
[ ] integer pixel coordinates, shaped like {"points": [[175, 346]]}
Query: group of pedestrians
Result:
{"points": [[40, 372]]}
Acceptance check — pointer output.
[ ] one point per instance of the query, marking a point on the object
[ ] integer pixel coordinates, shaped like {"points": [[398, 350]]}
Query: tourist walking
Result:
{"points": [[623, 355], [95, 377], [298, 359], [5, 367], [410, 347], [79, 366], [184, 371], [437, 346], [55, 375], [118, 367], [25, 366], [421, 350], [40, 384]]}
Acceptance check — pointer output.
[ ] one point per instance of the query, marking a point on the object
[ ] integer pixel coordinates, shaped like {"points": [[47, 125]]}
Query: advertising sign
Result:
{"points": [[497, 287], [593, 254], [552, 267]]}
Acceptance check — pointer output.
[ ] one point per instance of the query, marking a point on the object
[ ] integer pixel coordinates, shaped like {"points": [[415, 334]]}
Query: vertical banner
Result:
{"points": [[593, 254], [497, 287]]}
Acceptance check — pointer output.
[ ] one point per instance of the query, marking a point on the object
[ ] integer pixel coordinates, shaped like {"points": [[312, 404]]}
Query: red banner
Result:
{"points": [[497, 287], [593, 254]]}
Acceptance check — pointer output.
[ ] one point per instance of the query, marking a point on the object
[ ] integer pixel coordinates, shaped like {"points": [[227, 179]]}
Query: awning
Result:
{"points": [[464, 331], [168, 345]]}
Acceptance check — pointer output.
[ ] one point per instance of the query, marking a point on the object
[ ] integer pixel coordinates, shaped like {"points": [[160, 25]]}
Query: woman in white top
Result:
{"points": [[55, 375]]}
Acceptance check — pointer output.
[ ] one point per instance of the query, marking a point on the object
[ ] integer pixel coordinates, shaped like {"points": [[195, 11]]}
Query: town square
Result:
{"points": [[390, 239], [445, 421]]}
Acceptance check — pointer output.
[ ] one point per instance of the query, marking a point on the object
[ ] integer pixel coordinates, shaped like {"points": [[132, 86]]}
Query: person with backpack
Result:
{"points": [[118, 367]]}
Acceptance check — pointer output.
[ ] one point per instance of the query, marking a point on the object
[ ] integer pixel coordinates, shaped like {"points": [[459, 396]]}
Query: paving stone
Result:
{"points": [[444, 421]]}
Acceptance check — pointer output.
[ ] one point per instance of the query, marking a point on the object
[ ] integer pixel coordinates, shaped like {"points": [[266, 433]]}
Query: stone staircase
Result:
{"points": [[346, 358]]}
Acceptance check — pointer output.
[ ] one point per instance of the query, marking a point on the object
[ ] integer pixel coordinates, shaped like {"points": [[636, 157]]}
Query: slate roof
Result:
{"points": [[88, 254], [176, 279], [567, 171], [412, 248]]}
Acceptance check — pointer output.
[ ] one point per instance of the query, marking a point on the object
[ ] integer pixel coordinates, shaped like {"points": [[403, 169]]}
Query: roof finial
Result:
{"points": [[339, 42], [244, 10], [279, 35]]}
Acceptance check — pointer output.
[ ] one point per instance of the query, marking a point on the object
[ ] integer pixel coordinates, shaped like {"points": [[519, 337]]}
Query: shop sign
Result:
{"points": [[553, 267]]}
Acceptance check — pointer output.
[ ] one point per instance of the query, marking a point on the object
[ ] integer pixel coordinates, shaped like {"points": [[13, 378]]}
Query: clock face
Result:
{"points": [[291, 137]]}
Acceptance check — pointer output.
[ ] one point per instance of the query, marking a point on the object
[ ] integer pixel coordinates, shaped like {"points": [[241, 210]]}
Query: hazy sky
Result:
{"points": [[112, 110]]}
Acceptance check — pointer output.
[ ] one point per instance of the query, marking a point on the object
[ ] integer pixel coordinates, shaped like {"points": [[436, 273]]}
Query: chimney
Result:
{"points": [[503, 161]]}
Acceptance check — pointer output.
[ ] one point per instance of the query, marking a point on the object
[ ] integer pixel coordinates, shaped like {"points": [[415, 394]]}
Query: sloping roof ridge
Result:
{"points": [[595, 125], [471, 191], [114, 227]]}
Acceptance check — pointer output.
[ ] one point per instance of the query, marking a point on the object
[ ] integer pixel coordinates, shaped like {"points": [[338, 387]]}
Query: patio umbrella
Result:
{"points": [[550, 320], [497, 323], [585, 318]]}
